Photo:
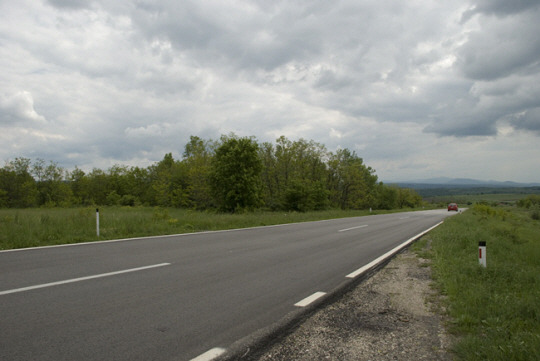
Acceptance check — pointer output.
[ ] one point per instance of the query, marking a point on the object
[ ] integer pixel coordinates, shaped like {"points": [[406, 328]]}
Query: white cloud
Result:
{"points": [[18, 108]]}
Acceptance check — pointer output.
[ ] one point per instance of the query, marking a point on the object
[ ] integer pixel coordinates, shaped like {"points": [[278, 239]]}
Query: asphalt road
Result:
{"points": [[180, 297]]}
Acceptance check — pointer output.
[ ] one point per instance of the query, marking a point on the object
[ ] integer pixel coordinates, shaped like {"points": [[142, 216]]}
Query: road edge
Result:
{"points": [[251, 347]]}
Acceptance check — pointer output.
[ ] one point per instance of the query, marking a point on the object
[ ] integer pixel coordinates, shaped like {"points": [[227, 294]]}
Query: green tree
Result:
{"points": [[235, 174], [295, 175], [98, 187], [232, 174], [269, 177], [197, 163], [168, 182], [139, 184], [52, 189], [386, 196], [118, 179], [4, 196], [407, 198], [351, 183], [161, 180], [38, 169], [18, 188], [79, 183], [305, 196]]}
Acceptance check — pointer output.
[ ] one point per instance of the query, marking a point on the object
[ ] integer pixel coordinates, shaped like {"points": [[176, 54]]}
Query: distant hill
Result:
{"points": [[444, 186], [467, 182]]}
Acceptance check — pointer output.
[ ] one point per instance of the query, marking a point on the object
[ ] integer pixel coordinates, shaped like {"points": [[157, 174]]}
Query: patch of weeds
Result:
{"points": [[160, 214]]}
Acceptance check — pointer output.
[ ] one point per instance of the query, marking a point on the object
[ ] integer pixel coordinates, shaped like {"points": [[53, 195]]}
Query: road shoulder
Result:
{"points": [[391, 316]]}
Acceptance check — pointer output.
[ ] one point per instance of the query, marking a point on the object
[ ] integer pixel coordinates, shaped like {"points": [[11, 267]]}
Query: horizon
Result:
{"points": [[453, 181]]}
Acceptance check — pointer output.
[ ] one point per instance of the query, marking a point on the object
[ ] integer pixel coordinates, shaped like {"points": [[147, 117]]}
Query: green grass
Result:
{"points": [[21, 228], [494, 311]]}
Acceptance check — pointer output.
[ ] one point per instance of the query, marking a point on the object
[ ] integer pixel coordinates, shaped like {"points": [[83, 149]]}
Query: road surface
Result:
{"points": [[182, 297]]}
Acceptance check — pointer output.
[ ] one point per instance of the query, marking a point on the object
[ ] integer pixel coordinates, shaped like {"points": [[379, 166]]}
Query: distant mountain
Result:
{"points": [[461, 182], [443, 186]]}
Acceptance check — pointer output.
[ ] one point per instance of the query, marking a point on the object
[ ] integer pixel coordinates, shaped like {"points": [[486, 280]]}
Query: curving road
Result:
{"points": [[182, 297]]}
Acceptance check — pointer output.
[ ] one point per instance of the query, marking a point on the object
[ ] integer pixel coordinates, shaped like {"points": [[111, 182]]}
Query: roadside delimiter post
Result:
{"points": [[482, 253], [97, 221]]}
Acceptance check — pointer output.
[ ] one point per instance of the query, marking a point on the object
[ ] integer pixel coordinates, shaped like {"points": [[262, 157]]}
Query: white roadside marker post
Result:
{"points": [[97, 221], [482, 253]]}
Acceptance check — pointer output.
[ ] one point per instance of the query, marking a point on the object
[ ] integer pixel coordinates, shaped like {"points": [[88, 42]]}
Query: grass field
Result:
{"points": [[21, 228], [494, 311]]}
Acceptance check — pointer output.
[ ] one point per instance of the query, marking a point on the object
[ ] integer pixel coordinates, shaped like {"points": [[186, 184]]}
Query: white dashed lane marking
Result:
{"points": [[308, 300], [350, 229], [29, 288], [210, 354]]}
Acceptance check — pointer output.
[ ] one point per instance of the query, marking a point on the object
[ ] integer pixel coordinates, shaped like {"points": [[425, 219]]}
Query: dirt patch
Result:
{"points": [[390, 316]]}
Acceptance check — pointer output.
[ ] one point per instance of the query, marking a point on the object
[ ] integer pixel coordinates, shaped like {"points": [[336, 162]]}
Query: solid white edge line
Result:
{"points": [[23, 289], [389, 253], [350, 229], [161, 236], [210, 354], [308, 300], [152, 237]]}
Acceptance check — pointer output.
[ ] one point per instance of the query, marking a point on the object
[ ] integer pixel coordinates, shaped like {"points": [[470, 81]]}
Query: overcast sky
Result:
{"points": [[418, 89]]}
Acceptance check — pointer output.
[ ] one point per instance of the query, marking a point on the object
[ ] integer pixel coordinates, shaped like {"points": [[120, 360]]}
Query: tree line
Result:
{"points": [[232, 174]]}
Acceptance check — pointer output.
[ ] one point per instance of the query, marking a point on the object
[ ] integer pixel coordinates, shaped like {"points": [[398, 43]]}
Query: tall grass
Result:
{"points": [[495, 311], [50, 226]]}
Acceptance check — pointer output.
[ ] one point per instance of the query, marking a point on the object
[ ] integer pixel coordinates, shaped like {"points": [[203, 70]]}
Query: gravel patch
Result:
{"points": [[390, 316]]}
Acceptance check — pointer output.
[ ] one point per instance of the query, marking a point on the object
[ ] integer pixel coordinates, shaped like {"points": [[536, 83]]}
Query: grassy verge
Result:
{"points": [[494, 311], [50, 226]]}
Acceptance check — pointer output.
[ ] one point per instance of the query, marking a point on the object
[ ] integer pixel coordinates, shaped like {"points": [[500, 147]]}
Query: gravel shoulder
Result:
{"points": [[393, 315]]}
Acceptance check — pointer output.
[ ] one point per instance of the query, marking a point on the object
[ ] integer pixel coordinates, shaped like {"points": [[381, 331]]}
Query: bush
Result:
{"points": [[129, 200], [535, 214], [113, 199], [529, 201], [303, 197], [485, 210]]}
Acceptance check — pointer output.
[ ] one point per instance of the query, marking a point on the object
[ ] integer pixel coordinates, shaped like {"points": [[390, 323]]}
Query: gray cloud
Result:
{"points": [[463, 126], [94, 83], [70, 4], [528, 120], [240, 35], [502, 48], [499, 8]]}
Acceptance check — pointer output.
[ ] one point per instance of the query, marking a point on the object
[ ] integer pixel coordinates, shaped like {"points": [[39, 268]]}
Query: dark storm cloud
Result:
{"points": [[528, 120], [502, 48], [500, 7]]}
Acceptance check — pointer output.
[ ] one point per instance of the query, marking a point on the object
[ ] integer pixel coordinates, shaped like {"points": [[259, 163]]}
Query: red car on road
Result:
{"points": [[452, 207]]}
